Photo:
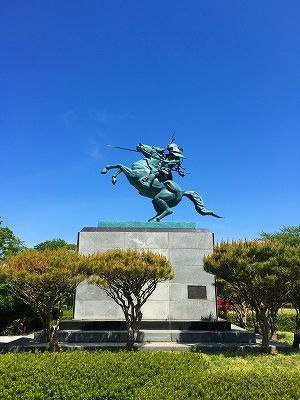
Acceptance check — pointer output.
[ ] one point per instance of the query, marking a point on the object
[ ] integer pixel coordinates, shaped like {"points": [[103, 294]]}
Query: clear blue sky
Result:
{"points": [[78, 75]]}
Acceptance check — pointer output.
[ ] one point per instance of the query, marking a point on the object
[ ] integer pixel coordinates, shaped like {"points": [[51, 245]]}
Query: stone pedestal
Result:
{"points": [[189, 296]]}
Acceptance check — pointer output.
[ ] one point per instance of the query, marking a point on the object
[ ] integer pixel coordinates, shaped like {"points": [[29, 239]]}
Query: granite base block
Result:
{"points": [[185, 247]]}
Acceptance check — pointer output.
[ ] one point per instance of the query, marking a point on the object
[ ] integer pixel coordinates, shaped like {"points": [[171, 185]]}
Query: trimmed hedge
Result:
{"points": [[147, 375], [286, 321]]}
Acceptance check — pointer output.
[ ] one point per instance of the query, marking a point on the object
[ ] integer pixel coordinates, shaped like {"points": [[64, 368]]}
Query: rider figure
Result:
{"points": [[173, 159], [168, 162]]}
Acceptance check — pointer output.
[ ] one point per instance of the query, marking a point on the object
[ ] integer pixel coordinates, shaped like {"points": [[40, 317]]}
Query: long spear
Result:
{"points": [[121, 148]]}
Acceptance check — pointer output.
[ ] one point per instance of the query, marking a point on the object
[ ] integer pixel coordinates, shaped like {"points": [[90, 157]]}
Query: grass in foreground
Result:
{"points": [[146, 375]]}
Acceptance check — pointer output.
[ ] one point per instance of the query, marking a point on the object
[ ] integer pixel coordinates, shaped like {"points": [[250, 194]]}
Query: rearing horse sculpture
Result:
{"points": [[152, 177]]}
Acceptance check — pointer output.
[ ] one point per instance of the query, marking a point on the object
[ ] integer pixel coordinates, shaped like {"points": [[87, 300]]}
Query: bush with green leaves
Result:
{"points": [[147, 375], [285, 321]]}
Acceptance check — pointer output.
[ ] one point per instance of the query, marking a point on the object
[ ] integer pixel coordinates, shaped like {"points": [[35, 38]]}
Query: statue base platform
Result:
{"points": [[150, 225], [190, 296]]}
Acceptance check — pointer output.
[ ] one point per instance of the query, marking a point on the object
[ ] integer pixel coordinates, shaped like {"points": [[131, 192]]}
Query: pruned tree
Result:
{"points": [[129, 277], [260, 273], [290, 235], [42, 280]]}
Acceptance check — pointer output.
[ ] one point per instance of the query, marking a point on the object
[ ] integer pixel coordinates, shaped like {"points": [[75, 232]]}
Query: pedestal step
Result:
{"points": [[30, 346], [176, 336], [97, 325]]}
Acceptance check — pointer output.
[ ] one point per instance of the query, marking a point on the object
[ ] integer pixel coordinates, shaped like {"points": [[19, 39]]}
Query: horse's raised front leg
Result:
{"points": [[108, 167], [120, 168], [114, 177]]}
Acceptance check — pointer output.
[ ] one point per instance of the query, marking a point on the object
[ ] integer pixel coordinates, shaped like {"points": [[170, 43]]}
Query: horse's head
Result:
{"points": [[149, 151]]}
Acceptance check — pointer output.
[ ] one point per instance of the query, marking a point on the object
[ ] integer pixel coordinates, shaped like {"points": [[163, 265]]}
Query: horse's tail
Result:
{"points": [[199, 205]]}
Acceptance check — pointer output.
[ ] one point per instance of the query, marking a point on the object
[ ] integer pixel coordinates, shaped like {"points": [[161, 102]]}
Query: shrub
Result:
{"points": [[286, 321], [146, 375]]}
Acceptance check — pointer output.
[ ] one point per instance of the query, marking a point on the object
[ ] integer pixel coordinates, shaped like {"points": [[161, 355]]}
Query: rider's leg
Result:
{"points": [[148, 180]]}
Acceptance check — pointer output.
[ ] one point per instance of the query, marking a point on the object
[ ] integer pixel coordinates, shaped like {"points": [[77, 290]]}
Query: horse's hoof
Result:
{"points": [[104, 171], [113, 180]]}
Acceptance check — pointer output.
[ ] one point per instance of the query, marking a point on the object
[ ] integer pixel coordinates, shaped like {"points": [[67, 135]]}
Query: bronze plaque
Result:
{"points": [[197, 292]]}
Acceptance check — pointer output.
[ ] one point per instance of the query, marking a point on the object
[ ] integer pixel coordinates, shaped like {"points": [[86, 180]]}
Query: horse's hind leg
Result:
{"points": [[157, 209], [161, 208]]}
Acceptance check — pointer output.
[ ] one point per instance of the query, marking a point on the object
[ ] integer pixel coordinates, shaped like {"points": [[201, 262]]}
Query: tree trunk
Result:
{"points": [[53, 342], [297, 318], [255, 319], [241, 317], [264, 327], [50, 331], [272, 318], [133, 323], [130, 338]]}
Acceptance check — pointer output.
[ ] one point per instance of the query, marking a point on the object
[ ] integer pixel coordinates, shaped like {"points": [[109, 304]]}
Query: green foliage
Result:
{"points": [[68, 313], [147, 375], [285, 321], [54, 244], [259, 275], [126, 265], [43, 280], [285, 337], [129, 277], [289, 235], [9, 243], [11, 309], [234, 319]]}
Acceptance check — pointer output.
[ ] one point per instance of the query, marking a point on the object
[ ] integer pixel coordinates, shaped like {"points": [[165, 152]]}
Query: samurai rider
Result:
{"points": [[164, 166]]}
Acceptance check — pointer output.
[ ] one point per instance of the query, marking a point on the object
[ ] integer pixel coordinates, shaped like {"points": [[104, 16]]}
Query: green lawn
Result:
{"points": [[147, 375]]}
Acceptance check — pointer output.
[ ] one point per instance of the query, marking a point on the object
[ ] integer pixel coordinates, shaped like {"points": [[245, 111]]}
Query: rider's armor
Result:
{"points": [[168, 162]]}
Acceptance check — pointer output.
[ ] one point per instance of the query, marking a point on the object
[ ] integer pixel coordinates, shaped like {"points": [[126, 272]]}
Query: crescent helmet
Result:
{"points": [[174, 149]]}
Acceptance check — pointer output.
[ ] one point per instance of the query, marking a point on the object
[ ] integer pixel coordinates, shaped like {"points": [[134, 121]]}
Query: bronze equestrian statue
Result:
{"points": [[152, 177]]}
